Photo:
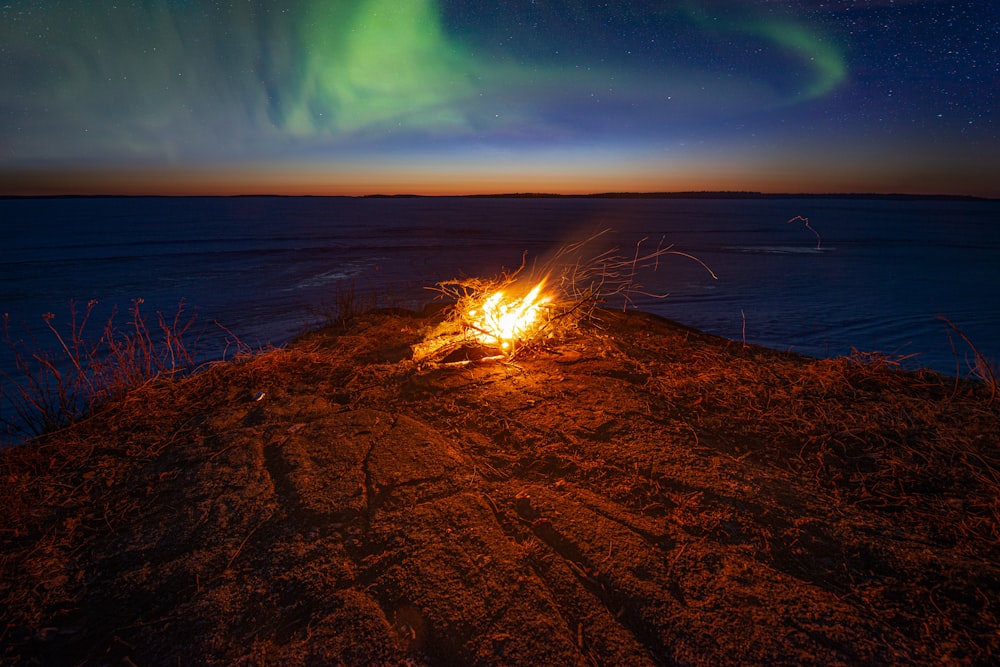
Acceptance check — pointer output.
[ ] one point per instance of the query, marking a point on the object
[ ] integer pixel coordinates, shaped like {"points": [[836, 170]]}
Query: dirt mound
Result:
{"points": [[634, 493]]}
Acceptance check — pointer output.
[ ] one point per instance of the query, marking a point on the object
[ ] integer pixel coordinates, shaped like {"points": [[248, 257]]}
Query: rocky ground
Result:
{"points": [[633, 493]]}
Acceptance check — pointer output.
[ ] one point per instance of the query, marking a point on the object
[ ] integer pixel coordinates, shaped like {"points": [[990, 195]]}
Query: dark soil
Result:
{"points": [[635, 493]]}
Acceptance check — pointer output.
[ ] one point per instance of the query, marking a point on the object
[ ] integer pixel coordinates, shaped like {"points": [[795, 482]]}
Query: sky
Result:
{"points": [[355, 97]]}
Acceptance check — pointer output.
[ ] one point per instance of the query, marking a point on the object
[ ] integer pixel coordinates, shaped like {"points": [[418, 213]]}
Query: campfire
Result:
{"points": [[490, 320], [501, 318]]}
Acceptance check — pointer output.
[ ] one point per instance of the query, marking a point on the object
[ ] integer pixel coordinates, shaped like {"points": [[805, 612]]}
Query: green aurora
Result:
{"points": [[648, 93]]}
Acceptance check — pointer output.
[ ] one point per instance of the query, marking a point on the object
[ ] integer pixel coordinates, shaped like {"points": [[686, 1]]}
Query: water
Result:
{"points": [[883, 271]]}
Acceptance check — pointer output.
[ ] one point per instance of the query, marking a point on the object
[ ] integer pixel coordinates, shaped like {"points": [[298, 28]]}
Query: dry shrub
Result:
{"points": [[54, 384], [346, 304]]}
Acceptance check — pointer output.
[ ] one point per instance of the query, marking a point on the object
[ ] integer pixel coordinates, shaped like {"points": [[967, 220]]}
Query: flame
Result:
{"points": [[502, 321]]}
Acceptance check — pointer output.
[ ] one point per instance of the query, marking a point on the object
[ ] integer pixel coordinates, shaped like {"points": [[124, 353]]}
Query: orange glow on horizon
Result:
{"points": [[563, 177]]}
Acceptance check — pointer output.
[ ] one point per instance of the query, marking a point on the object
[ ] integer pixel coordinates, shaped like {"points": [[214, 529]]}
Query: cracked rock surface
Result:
{"points": [[635, 493]]}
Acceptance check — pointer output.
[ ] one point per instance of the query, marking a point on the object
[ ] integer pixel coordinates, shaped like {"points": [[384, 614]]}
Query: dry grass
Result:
{"points": [[75, 370], [980, 367]]}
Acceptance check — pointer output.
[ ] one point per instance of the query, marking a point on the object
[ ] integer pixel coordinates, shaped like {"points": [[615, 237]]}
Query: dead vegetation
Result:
{"points": [[55, 382], [630, 493]]}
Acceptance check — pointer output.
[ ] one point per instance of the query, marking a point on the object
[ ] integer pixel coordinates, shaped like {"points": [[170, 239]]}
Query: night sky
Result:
{"points": [[452, 97]]}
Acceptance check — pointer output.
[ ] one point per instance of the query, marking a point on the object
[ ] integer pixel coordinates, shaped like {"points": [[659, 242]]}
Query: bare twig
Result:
{"points": [[982, 368]]}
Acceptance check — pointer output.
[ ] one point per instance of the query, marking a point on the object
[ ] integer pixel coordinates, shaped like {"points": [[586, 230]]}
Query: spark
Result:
{"points": [[819, 241]]}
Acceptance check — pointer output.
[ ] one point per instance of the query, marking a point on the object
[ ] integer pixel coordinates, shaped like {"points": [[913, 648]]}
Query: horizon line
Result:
{"points": [[680, 194]]}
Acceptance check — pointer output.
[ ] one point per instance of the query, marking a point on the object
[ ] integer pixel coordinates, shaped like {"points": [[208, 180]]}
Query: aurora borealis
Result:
{"points": [[448, 97]]}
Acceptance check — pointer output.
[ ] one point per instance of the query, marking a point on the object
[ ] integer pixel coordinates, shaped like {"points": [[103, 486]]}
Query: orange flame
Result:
{"points": [[502, 321]]}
